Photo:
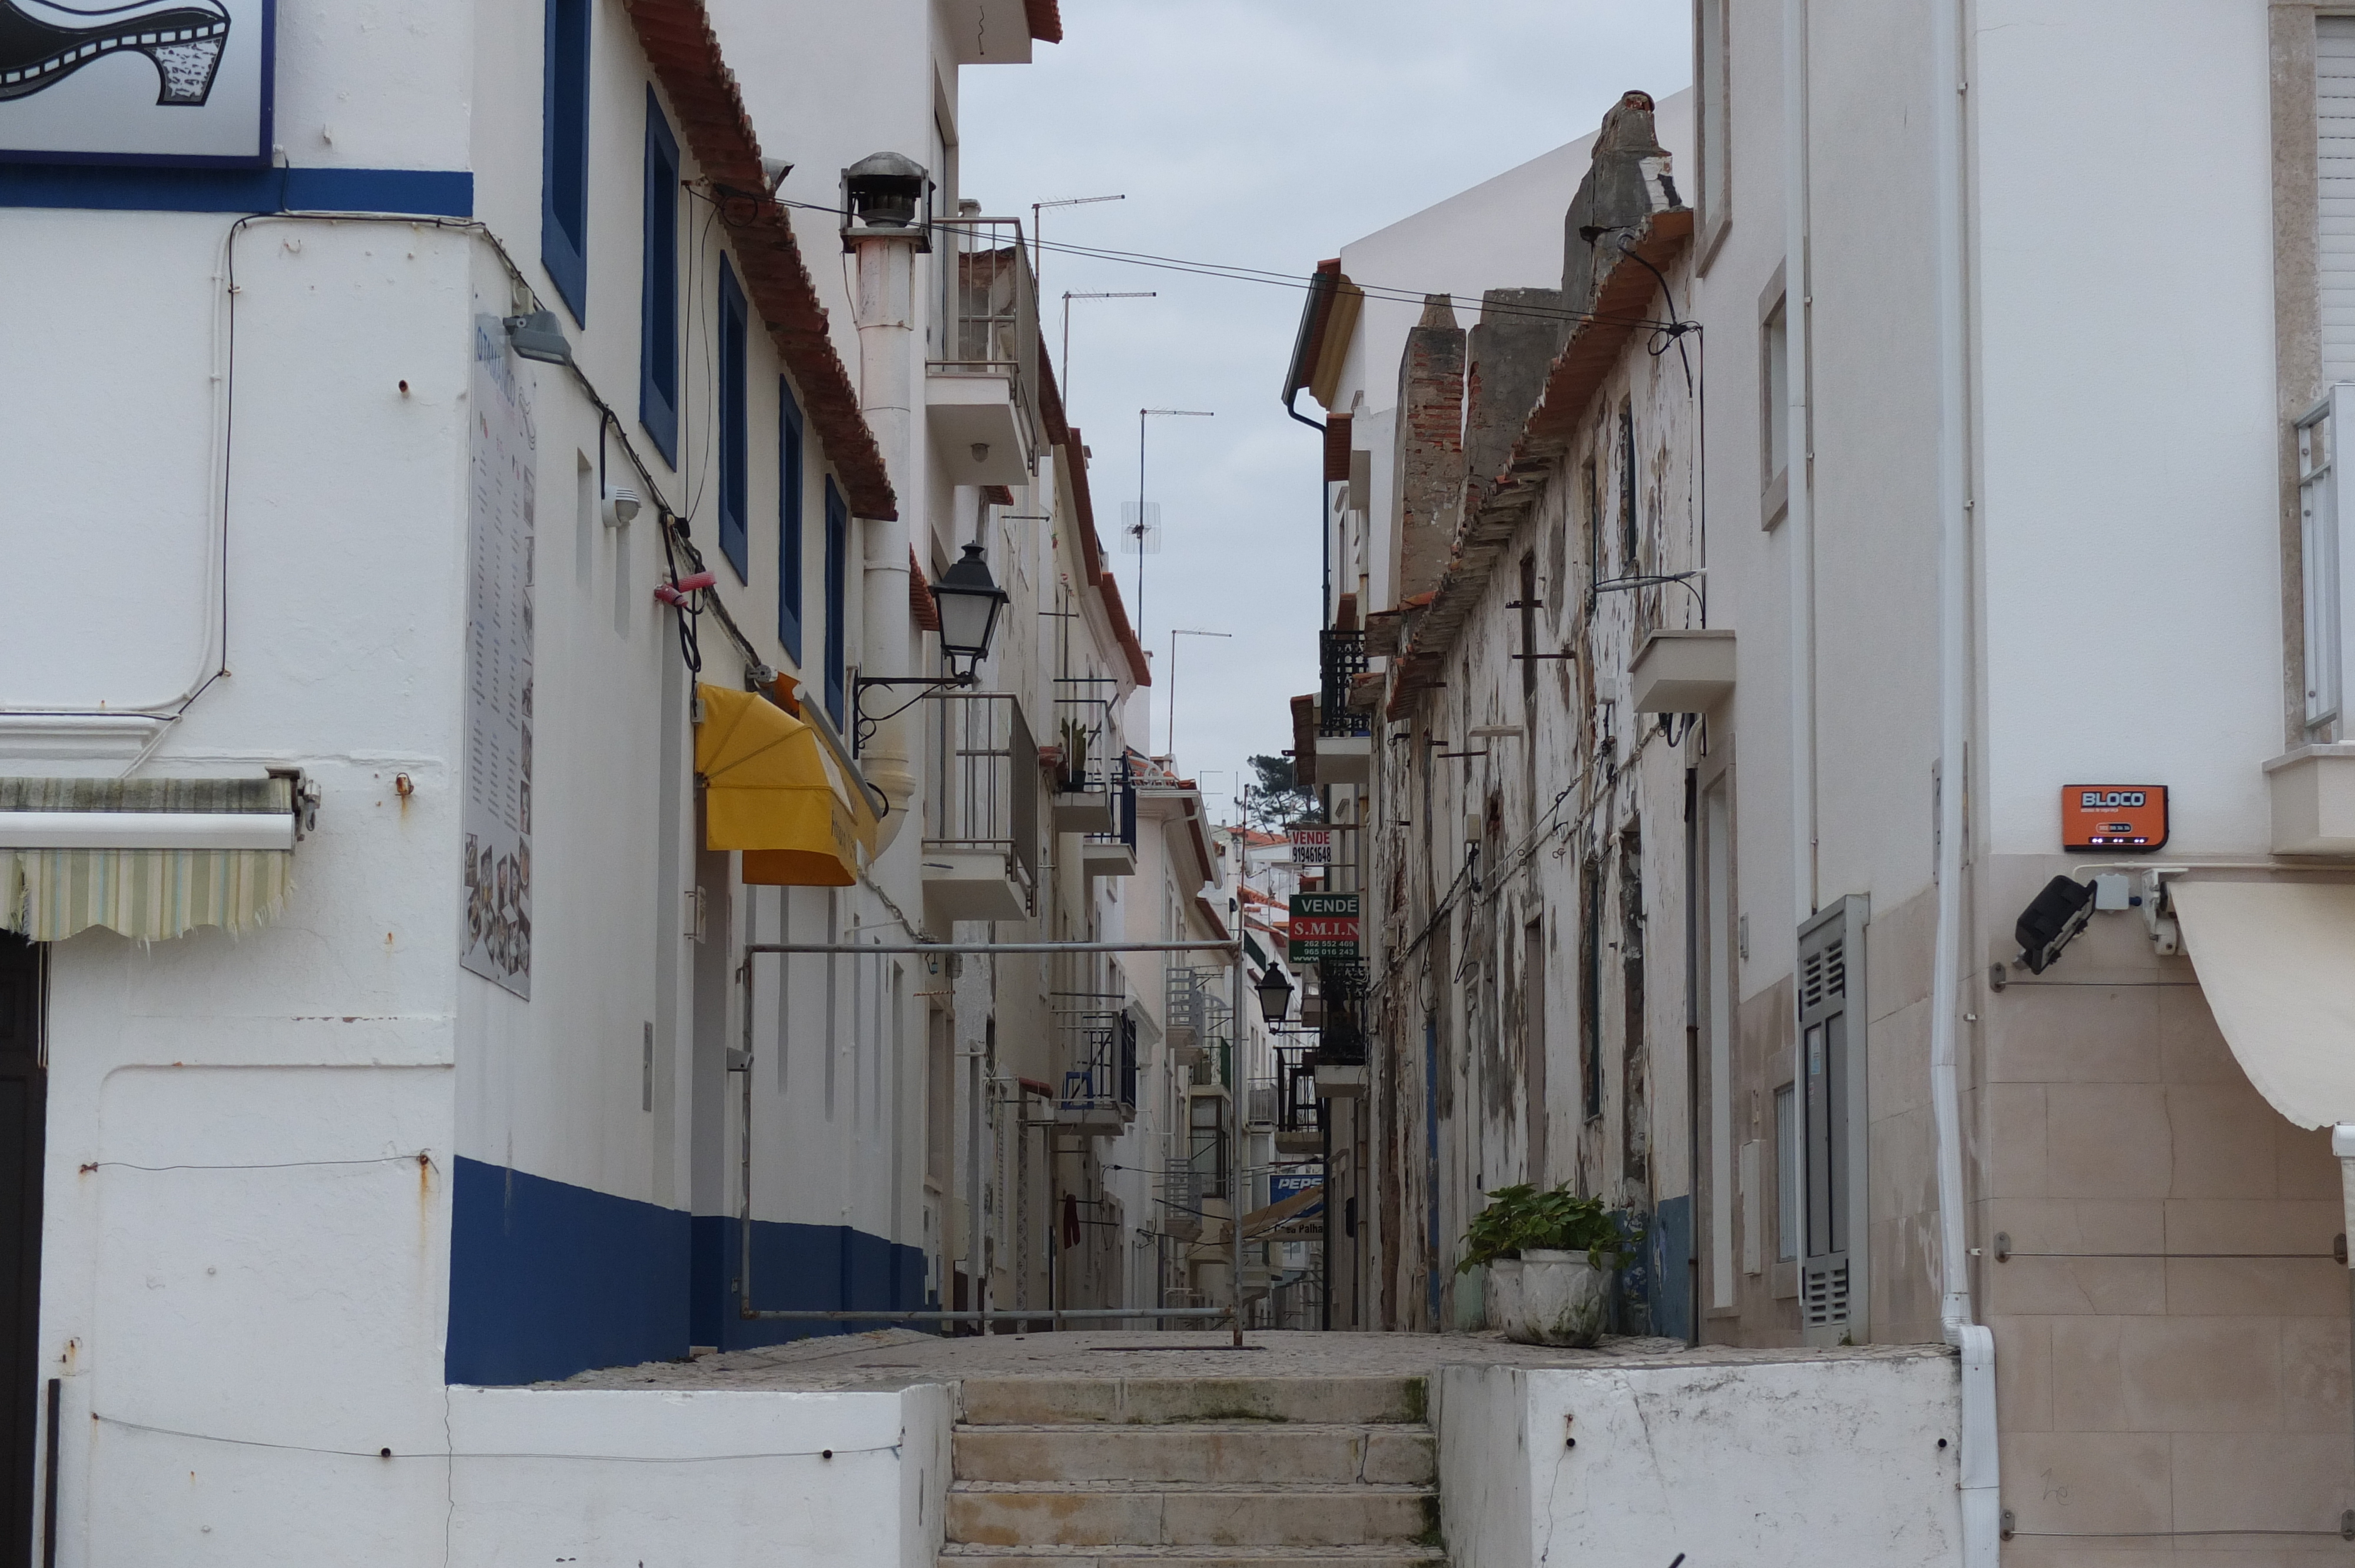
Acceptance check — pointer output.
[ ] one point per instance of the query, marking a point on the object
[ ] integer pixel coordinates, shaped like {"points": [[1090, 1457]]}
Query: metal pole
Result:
{"points": [[999, 1315], [987, 947], [1235, 1177]]}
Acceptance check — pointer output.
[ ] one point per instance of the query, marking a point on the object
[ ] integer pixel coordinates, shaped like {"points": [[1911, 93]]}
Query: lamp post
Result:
{"points": [[1175, 633]]}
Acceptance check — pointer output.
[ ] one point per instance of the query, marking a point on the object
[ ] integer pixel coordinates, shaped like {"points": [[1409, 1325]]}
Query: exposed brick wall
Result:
{"points": [[1430, 475]]}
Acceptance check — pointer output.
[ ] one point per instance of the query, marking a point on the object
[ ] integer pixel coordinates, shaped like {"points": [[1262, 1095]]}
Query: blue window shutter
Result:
{"points": [[789, 521], [658, 291], [564, 155], [734, 530], [838, 577]]}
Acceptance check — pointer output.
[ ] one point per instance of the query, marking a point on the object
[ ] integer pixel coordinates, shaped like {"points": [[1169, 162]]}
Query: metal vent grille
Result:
{"points": [[1823, 1291], [1823, 975]]}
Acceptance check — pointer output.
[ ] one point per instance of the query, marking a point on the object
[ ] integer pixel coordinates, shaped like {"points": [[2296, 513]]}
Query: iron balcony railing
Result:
{"points": [[1195, 1009], [985, 793], [1341, 658], [1119, 800], [990, 311], [1297, 1079], [1341, 1035], [1089, 753], [1104, 1076], [1261, 1098]]}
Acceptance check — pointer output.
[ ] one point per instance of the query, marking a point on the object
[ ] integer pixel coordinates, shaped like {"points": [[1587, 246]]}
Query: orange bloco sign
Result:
{"points": [[2130, 817]]}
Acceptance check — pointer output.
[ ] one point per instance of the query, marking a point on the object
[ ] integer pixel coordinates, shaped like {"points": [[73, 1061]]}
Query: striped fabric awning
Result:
{"points": [[49, 891]]}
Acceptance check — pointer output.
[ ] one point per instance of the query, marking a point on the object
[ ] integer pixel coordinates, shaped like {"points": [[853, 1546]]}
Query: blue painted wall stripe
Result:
{"points": [[426, 193], [807, 1267], [548, 1279]]}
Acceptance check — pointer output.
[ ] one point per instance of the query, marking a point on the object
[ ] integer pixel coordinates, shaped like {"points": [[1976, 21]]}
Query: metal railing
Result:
{"points": [[1103, 1080], [1297, 1080], [1194, 1007], [1341, 986], [1119, 800], [1262, 1097], [985, 793], [1089, 754], [990, 309], [1341, 658]]}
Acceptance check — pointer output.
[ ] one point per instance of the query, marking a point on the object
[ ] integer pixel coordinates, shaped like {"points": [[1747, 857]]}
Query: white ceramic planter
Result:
{"points": [[1565, 1299], [1504, 1296]]}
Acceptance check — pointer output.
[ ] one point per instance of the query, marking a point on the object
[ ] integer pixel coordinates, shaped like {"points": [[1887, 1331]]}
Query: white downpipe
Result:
{"points": [[886, 317], [1982, 1501], [1799, 522]]}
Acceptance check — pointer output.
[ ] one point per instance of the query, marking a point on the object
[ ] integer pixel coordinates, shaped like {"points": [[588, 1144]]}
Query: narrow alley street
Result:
{"points": [[970, 783]]}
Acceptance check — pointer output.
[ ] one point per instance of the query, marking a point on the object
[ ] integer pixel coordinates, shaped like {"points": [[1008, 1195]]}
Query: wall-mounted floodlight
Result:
{"points": [[537, 335], [2052, 921]]}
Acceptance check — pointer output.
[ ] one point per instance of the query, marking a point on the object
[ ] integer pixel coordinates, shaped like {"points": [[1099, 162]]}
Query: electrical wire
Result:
{"points": [[1388, 293], [381, 1455]]}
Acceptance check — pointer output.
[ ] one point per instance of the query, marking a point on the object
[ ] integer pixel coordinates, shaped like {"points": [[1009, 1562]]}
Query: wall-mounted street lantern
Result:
{"points": [[970, 602], [1274, 993]]}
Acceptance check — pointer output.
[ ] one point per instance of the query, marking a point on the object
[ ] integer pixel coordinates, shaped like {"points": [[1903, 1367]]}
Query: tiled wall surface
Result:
{"points": [[2160, 1391]]}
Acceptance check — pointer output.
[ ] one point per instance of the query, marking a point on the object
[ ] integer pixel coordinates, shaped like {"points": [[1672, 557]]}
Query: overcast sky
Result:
{"points": [[1262, 133]]}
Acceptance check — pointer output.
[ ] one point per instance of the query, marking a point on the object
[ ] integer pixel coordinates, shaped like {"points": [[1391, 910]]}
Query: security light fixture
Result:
{"points": [[1274, 994], [885, 195], [537, 335], [622, 504], [2052, 921], [969, 600]]}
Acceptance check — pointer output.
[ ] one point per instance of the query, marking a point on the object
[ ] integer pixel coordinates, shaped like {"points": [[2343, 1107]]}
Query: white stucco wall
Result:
{"points": [[740, 1477], [1767, 1463], [2131, 556]]}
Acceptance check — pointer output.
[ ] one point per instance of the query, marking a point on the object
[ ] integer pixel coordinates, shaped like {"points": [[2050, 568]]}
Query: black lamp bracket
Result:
{"points": [[862, 729]]}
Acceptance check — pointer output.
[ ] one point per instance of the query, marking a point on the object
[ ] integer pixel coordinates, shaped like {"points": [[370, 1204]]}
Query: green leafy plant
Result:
{"points": [[1521, 1218]]}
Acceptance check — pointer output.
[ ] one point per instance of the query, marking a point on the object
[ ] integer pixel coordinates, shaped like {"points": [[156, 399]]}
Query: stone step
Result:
{"points": [[1228, 1451], [1031, 1402], [962, 1556], [1120, 1513]]}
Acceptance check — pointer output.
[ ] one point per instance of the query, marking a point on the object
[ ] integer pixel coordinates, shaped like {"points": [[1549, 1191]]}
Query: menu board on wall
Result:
{"points": [[495, 936]]}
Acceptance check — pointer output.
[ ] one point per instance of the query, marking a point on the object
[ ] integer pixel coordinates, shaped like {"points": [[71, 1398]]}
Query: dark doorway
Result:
{"points": [[24, 1096]]}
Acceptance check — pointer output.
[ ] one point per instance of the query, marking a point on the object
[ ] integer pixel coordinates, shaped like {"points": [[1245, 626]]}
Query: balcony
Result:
{"points": [[1100, 1092], [981, 839], [1299, 1130], [981, 393], [1084, 750], [1344, 734], [1181, 1203], [1339, 1065], [1195, 1011], [1112, 853]]}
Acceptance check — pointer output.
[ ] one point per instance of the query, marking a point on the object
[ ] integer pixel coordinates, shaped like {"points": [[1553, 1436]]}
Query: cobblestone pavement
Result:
{"points": [[895, 1358]]}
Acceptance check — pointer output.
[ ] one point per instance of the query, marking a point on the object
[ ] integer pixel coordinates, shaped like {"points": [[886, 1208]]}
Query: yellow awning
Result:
{"points": [[775, 794], [2276, 960]]}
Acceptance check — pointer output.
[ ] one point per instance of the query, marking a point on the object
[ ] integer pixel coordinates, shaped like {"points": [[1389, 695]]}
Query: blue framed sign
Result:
{"points": [[183, 82]]}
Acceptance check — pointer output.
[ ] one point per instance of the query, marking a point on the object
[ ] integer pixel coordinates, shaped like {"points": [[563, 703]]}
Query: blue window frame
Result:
{"points": [[564, 154], [734, 509], [659, 293], [838, 577], [789, 522]]}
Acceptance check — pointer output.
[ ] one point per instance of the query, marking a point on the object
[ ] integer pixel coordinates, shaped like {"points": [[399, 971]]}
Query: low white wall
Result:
{"points": [[735, 1477], [1768, 1462]]}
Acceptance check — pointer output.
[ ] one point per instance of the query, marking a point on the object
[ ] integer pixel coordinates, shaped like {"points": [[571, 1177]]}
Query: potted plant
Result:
{"points": [[1567, 1249]]}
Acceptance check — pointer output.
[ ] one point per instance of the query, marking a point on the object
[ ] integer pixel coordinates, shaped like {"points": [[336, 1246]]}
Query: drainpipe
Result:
{"points": [[884, 309], [1982, 1502], [1798, 461]]}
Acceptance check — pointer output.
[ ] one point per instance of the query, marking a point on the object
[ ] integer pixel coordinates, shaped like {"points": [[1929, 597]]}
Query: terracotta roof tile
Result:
{"points": [[685, 52]]}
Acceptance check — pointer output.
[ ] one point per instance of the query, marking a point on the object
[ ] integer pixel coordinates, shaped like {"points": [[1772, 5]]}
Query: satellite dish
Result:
{"points": [[1140, 526]]}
